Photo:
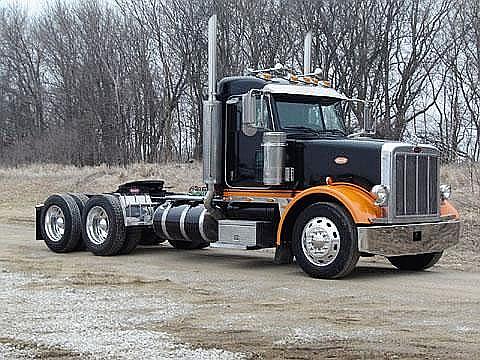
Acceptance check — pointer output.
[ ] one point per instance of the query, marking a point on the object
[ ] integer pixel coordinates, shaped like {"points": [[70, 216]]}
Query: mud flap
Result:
{"points": [[38, 222], [283, 255]]}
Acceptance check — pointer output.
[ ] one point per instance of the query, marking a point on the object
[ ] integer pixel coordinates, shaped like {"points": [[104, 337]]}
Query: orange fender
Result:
{"points": [[447, 209], [359, 202]]}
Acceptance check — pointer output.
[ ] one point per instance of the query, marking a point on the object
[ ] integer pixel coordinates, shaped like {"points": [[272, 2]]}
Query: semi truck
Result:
{"points": [[280, 171]]}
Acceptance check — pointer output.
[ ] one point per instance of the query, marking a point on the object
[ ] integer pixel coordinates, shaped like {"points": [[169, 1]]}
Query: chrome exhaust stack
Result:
{"points": [[307, 53], [212, 125]]}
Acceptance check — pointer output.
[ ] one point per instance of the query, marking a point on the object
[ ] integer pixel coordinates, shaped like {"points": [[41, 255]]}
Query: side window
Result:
{"points": [[234, 113]]}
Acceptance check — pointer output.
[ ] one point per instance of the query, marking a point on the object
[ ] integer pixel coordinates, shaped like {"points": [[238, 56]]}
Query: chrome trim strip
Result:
{"points": [[182, 223], [428, 187], [164, 221], [404, 184], [200, 226], [281, 202], [416, 184]]}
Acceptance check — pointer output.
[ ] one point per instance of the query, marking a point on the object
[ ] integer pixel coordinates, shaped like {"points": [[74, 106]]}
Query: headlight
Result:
{"points": [[381, 193], [445, 192]]}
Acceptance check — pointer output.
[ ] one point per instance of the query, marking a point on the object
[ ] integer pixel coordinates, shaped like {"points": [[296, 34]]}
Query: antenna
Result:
{"points": [[307, 53]]}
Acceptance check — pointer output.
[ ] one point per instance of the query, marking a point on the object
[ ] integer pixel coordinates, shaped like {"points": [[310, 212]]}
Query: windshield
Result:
{"points": [[310, 113]]}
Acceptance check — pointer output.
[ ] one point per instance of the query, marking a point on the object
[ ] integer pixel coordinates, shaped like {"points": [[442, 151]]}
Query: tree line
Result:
{"points": [[94, 81]]}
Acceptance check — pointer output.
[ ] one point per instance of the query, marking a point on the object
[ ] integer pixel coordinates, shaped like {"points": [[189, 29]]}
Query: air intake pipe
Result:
{"points": [[212, 125]]}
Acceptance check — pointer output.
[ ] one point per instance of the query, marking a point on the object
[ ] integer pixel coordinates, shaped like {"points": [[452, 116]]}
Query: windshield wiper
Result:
{"points": [[303, 128], [334, 131], [316, 131]]}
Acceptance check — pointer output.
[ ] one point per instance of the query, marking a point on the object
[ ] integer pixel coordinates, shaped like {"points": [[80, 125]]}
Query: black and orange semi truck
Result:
{"points": [[281, 172]]}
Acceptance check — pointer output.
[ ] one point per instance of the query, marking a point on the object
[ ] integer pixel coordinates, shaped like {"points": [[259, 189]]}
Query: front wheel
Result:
{"points": [[325, 241], [415, 262]]}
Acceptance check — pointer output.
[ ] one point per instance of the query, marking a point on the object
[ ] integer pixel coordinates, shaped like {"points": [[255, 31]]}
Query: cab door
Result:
{"points": [[244, 154]]}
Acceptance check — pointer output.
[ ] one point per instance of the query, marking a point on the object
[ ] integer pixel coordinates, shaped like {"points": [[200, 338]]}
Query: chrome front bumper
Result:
{"points": [[408, 239]]}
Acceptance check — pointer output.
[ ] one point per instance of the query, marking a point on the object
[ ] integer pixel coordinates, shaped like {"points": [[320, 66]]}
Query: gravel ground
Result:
{"points": [[223, 304]]}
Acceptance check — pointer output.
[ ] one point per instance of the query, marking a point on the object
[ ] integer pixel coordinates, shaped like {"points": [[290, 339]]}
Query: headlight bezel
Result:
{"points": [[445, 191], [382, 194]]}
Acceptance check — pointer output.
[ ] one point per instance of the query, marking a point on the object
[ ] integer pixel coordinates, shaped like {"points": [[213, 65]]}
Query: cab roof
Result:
{"points": [[304, 90]]}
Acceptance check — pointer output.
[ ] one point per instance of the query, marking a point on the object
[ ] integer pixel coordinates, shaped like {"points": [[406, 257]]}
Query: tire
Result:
{"points": [[415, 262], [61, 225], [103, 225], [148, 237], [189, 245], [81, 201], [133, 236], [334, 232]]}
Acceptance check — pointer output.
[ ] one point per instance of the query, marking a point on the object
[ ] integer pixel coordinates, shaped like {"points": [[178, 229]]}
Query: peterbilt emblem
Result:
{"points": [[341, 160]]}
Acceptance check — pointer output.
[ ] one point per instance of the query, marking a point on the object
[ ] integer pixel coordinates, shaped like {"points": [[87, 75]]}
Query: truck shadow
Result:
{"points": [[232, 258], [363, 272], [253, 261]]}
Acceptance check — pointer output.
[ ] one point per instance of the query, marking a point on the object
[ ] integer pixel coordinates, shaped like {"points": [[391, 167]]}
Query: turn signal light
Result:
{"points": [[293, 77], [266, 76]]}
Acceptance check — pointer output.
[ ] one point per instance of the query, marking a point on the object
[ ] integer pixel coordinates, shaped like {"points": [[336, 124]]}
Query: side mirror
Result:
{"points": [[255, 112], [248, 114]]}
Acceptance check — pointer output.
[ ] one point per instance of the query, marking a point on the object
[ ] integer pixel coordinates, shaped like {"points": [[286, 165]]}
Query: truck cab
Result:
{"points": [[311, 119], [281, 171]]}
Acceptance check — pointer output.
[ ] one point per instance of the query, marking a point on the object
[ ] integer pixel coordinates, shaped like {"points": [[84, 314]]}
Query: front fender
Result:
{"points": [[359, 203], [448, 210]]}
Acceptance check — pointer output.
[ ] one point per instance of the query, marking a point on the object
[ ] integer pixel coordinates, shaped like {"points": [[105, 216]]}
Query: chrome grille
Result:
{"points": [[416, 184]]}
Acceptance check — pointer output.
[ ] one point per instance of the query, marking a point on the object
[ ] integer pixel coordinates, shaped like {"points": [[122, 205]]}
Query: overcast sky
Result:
{"points": [[33, 6]]}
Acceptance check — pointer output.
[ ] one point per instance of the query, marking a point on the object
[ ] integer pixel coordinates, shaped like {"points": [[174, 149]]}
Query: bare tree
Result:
{"points": [[100, 82]]}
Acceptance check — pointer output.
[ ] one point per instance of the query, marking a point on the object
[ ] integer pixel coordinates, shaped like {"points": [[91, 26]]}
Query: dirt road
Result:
{"points": [[207, 304]]}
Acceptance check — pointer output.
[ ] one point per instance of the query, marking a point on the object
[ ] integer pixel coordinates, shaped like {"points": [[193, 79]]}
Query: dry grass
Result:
{"points": [[465, 181], [23, 187]]}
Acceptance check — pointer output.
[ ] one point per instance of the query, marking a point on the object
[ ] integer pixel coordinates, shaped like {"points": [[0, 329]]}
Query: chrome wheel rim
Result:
{"points": [[54, 223], [97, 225], [320, 241]]}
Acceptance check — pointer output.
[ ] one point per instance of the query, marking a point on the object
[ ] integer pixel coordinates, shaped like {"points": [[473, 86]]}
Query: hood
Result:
{"points": [[352, 160]]}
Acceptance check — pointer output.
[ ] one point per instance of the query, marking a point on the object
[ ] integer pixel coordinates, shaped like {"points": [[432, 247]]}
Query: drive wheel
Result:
{"points": [[61, 223], [103, 225], [81, 201], [325, 241], [415, 262], [189, 245], [132, 238]]}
